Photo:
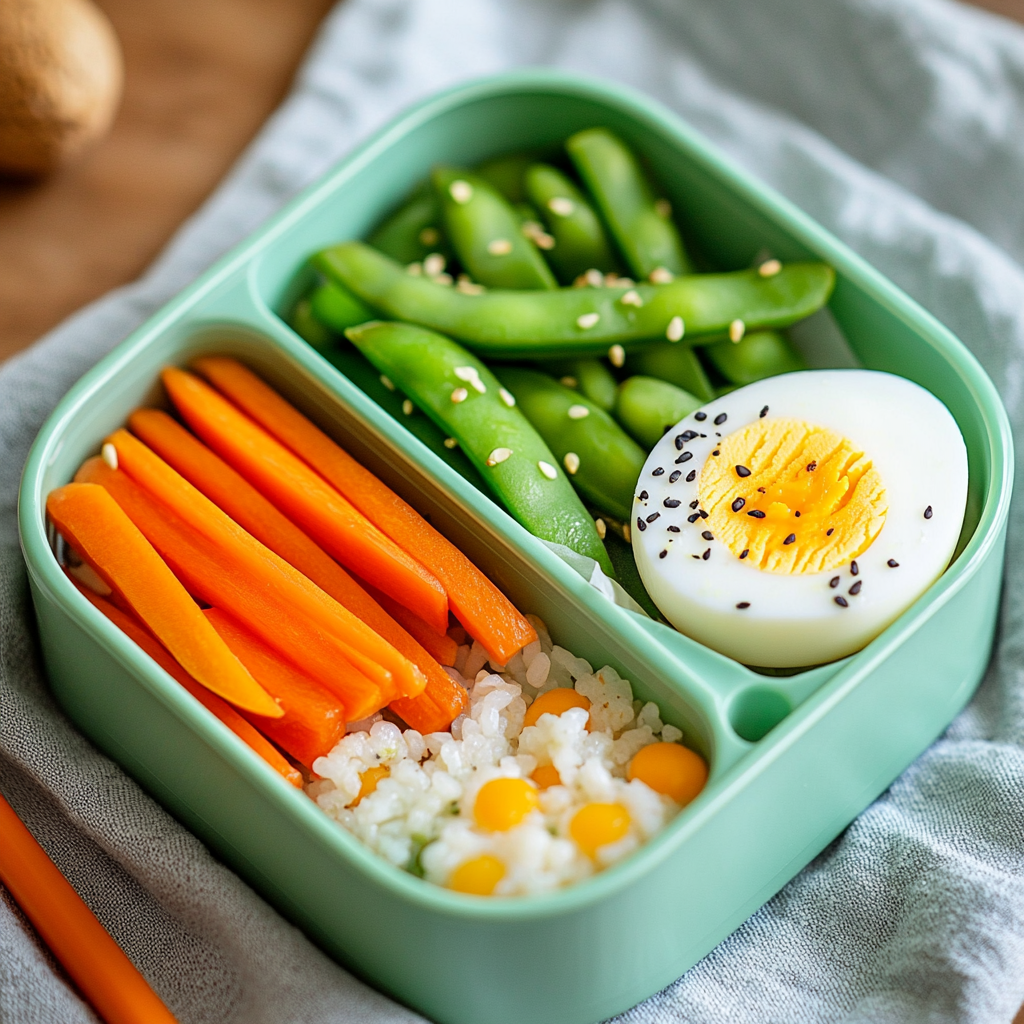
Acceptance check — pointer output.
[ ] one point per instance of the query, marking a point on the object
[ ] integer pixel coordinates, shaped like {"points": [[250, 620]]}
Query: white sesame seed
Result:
{"points": [[663, 208], [769, 268], [407, 407], [625, 282], [507, 397], [471, 376], [547, 469], [544, 241], [445, 279], [571, 463], [587, 320], [430, 236], [736, 331], [632, 298], [433, 264], [386, 381], [626, 535], [461, 191], [661, 275], [109, 453], [415, 269], [617, 355], [459, 395], [578, 412], [450, 442], [498, 455], [676, 328], [602, 529], [468, 287], [561, 206], [569, 382], [594, 278], [499, 247]]}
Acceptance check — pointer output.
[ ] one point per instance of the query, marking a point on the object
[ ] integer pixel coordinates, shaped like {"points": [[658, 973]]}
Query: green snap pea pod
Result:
{"points": [[486, 232], [466, 400], [755, 356], [641, 225], [590, 377], [647, 407], [506, 174], [580, 239], [603, 463], [307, 326], [413, 231], [677, 364], [361, 373], [337, 308], [580, 321]]}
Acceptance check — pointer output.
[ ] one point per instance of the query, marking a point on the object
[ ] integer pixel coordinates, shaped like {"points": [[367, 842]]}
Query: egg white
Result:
{"points": [[793, 620]]}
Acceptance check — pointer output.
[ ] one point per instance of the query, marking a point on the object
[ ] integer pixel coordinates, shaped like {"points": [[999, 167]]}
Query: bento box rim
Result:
{"points": [[643, 110]]}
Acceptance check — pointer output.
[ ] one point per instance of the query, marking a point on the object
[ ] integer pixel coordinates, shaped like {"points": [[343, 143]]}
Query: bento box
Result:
{"points": [[793, 758]]}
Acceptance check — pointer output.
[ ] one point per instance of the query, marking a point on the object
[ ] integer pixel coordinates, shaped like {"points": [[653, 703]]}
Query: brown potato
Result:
{"points": [[60, 81]]}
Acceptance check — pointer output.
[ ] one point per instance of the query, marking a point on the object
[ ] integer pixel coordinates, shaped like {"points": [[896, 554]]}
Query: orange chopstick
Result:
{"points": [[97, 965]]}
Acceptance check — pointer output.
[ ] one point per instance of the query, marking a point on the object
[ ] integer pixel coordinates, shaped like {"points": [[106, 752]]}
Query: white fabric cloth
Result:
{"points": [[898, 124]]}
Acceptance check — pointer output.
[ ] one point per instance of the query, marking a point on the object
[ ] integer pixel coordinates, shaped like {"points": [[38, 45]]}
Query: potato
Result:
{"points": [[60, 82]]}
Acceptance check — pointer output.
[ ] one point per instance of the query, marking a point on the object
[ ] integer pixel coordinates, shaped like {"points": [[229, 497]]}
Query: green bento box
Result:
{"points": [[793, 760]]}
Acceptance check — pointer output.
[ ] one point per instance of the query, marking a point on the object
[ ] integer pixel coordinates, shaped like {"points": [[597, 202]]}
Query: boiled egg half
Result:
{"points": [[789, 522]]}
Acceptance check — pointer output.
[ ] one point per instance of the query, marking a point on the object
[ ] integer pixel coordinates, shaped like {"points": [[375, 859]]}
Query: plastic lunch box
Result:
{"points": [[793, 759]]}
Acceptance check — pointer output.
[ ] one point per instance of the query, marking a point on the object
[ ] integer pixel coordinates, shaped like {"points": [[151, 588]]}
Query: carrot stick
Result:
{"points": [[97, 965], [371, 654], [210, 576], [247, 733], [486, 613], [306, 498], [93, 524], [313, 719], [239, 499]]}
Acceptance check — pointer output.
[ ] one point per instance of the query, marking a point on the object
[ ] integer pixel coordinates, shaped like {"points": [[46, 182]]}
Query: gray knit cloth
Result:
{"points": [[899, 124]]}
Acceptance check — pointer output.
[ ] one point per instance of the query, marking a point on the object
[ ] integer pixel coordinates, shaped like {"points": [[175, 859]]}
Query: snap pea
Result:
{"points": [[755, 356], [337, 308], [307, 326], [361, 373], [580, 239], [641, 225], [414, 231], [647, 407], [603, 463], [590, 377], [486, 233], [506, 174], [465, 399], [677, 364], [579, 321]]}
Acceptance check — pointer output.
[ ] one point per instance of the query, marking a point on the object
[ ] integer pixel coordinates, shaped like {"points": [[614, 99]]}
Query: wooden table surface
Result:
{"points": [[201, 77]]}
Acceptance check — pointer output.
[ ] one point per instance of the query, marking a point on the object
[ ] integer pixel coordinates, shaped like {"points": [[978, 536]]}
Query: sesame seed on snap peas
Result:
{"points": [[640, 223], [647, 407], [531, 324], [486, 233], [590, 377], [678, 364], [757, 355], [496, 437], [581, 242], [603, 461]]}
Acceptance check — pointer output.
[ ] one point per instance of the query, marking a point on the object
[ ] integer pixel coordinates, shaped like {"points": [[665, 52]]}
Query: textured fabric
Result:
{"points": [[896, 123]]}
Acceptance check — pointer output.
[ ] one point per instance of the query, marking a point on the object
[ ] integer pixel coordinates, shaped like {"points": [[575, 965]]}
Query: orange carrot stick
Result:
{"points": [[97, 965], [313, 720], [306, 498], [239, 499], [208, 575], [247, 733], [371, 654], [486, 613], [93, 524]]}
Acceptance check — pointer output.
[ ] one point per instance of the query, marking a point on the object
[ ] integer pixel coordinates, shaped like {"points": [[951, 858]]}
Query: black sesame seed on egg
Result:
{"points": [[834, 582], [672, 503], [673, 529], [708, 535], [653, 516], [756, 513], [676, 474], [928, 512], [706, 555], [663, 552], [658, 471], [744, 553], [742, 471], [685, 457], [790, 539], [721, 418], [743, 604], [738, 504], [640, 524], [700, 416], [855, 589], [854, 568], [764, 412], [893, 564], [691, 476], [841, 601], [693, 518]]}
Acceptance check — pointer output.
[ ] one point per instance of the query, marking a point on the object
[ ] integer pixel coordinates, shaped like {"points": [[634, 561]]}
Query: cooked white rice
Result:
{"points": [[420, 817]]}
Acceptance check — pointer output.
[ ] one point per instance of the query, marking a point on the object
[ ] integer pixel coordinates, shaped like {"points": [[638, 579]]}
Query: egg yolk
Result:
{"points": [[791, 497], [502, 804], [368, 781], [670, 769], [546, 776], [478, 876], [597, 825], [554, 702]]}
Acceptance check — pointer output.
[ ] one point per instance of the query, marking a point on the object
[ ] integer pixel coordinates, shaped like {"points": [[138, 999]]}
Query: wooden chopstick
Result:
{"points": [[96, 963]]}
